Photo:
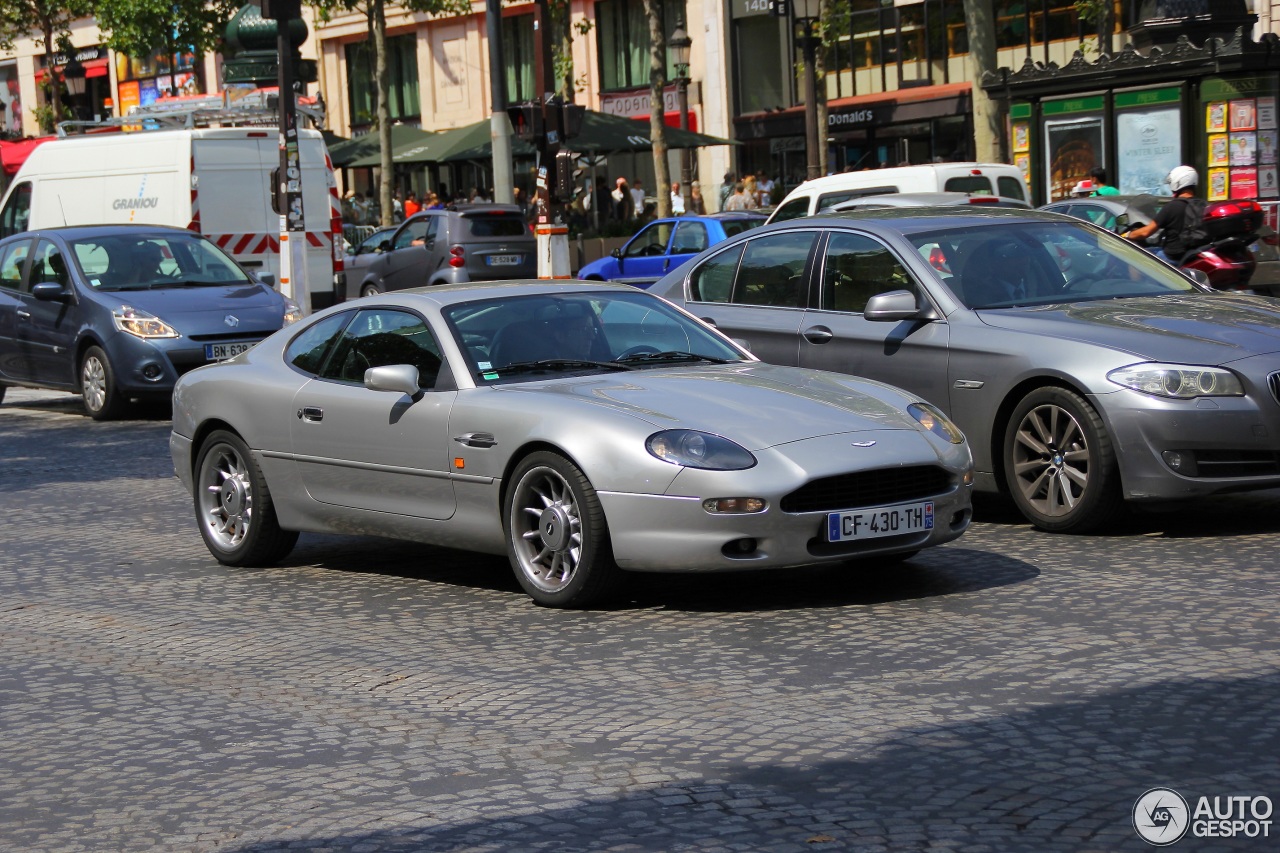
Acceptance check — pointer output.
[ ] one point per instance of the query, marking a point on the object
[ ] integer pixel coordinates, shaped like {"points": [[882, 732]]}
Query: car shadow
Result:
{"points": [[1047, 767], [1237, 514]]}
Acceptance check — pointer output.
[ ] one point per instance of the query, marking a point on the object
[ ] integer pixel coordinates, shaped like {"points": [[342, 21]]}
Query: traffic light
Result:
{"points": [[526, 120], [571, 119], [567, 175]]}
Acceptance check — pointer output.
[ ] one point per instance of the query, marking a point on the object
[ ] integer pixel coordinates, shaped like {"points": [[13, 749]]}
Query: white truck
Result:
{"points": [[217, 181]]}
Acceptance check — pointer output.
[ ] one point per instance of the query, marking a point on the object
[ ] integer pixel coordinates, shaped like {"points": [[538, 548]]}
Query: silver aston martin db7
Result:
{"points": [[579, 428]]}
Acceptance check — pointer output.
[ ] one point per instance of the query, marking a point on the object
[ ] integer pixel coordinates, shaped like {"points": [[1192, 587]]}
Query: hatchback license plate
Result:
{"points": [[221, 352], [879, 521], [503, 260]]}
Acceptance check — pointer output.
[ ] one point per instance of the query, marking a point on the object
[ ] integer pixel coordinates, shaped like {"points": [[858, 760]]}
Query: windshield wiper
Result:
{"points": [[671, 355], [190, 282], [554, 365]]}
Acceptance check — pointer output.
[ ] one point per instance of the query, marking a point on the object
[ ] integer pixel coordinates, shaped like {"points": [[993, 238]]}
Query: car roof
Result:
{"points": [[443, 295], [889, 174], [927, 200], [910, 220], [76, 232]]}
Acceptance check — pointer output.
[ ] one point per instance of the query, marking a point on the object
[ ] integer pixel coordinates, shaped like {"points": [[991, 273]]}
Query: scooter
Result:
{"points": [[1226, 260]]}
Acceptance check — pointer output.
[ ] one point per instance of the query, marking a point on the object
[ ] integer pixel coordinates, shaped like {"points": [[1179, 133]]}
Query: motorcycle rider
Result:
{"points": [[1183, 180]]}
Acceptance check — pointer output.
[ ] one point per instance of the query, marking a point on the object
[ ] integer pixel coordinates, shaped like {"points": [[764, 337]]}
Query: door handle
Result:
{"points": [[818, 335], [312, 414], [24, 315], [476, 439]]}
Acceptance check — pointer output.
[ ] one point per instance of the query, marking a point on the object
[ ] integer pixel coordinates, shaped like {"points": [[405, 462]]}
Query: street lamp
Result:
{"points": [[679, 45], [73, 75], [807, 14]]}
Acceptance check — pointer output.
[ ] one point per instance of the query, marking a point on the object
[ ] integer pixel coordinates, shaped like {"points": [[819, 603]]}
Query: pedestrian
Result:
{"points": [[397, 207], [411, 205], [677, 200], [637, 198], [624, 207], [738, 200], [696, 200], [766, 184], [1101, 186], [751, 192], [726, 189]]}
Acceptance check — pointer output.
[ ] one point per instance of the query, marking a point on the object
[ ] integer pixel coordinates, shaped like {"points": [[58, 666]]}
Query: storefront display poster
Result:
{"points": [[1244, 115], [1219, 153], [1268, 187], [10, 100], [1023, 162], [1148, 145], [1266, 147], [1267, 113], [1244, 183], [1021, 137], [1073, 146], [1244, 149], [1215, 119], [1218, 184]]}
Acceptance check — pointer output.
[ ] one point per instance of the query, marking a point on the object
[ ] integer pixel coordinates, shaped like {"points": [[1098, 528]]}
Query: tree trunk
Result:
{"points": [[657, 125], [819, 67], [383, 85], [56, 84], [988, 125]]}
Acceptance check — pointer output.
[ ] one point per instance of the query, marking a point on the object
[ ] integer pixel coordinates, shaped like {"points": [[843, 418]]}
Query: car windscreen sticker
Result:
{"points": [[484, 365]]}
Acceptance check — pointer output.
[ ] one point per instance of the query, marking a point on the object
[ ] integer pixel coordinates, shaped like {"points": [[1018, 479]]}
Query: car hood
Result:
{"points": [[254, 307], [756, 405], [1199, 328]]}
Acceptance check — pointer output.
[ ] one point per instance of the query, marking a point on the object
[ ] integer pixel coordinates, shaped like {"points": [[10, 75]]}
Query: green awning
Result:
{"points": [[353, 153]]}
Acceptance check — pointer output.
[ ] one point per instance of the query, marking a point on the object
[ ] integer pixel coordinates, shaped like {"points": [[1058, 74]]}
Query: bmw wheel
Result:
{"points": [[102, 401], [1059, 463], [557, 539], [233, 505]]}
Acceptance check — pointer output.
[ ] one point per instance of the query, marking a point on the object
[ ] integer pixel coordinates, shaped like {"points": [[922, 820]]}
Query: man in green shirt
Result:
{"points": [[1099, 178]]}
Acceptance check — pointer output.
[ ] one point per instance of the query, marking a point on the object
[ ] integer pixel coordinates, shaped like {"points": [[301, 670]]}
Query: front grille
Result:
{"points": [[1236, 463], [231, 337], [868, 488], [1273, 382]]}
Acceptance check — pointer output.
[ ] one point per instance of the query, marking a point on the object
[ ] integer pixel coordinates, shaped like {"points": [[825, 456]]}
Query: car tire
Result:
{"points": [[2, 390], [102, 400], [370, 290], [233, 505], [1059, 463], [557, 538]]}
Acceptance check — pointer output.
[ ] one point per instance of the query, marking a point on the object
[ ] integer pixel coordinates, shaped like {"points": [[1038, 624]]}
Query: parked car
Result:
{"points": [[974, 201], [580, 428], [665, 244], [364, 252], [465, 242], [814, 196], [1110, 376], [119, 312]]}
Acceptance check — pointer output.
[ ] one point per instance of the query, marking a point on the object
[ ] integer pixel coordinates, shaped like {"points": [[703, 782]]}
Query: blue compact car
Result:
{"points": [[665, 244], [119, 312]]}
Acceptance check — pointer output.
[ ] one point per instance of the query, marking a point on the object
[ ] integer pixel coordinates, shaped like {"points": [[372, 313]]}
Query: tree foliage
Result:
{"points": [[49, 24], [140, 27]]}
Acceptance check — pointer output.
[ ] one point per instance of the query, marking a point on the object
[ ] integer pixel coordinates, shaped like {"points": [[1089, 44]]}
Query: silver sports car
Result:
{"points": [[579, 428]]}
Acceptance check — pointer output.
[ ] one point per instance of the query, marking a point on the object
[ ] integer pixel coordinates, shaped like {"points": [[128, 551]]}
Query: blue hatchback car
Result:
{"points": [[119, 312], [665, 244]]}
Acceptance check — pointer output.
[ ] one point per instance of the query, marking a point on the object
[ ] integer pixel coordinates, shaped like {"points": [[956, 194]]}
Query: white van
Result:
{"points": [[213, 180], [976, 178]]}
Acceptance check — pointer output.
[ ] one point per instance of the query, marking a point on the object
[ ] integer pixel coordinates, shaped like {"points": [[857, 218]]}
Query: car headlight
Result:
{"points": [[694, 449], [1179, 381], [935, 422], [142, 324], [292, 313]]}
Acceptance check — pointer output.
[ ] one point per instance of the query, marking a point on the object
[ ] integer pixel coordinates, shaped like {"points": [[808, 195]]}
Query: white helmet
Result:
{"points": [[1182, 177]]}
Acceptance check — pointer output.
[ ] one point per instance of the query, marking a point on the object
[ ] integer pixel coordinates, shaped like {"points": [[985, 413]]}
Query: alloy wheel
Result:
{"points": [[1051, 460], [226, 497], [546, 529]]}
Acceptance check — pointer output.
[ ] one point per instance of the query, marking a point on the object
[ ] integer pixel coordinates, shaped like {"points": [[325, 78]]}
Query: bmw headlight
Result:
{"points": [[935, 422], [1179, 381], [142, 324], [694, 449], [292, 313]]}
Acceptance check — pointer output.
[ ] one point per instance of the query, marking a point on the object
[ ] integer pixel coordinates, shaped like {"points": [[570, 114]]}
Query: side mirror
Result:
{"points": [[617, 253], [384, 246], [267, 278], [892, 306], [397, 378], [1200, 276], [50, 291], [742, 342]]}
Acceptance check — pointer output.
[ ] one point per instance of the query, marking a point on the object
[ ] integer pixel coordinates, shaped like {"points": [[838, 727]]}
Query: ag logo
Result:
{"points": [[1161, 816]]}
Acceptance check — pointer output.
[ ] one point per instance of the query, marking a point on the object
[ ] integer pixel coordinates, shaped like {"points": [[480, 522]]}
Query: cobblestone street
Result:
{"points": [[1011, 691]]}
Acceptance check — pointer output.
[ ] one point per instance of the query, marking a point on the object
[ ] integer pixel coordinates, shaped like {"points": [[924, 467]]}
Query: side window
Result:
{"points": [[857, 268], [713, 281], [307, 351], [793, 209], [691, 238], [772, 270], [11, 264], [49, 266], [380, 337], [418, 232], [1098, 215], [649, 242], [975, 184], [17, 210], [1010, 187]]}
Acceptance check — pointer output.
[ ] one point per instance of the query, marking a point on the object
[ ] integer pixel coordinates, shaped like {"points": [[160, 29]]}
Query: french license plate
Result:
{"points": [[220, 352], [879, 521], [503, 260]]}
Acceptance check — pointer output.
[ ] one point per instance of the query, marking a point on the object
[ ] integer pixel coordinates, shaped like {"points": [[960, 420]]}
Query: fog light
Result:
{"points": [[1182, 463], [734, 505], [151, 371], [739, 548]]}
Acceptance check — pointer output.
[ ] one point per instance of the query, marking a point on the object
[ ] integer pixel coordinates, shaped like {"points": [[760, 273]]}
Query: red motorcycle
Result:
{"points": [[1226, 260]]}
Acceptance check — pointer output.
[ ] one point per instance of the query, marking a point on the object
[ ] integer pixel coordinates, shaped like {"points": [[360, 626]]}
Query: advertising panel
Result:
{"points": [[10, 100], [1073, 147], [1149, 144]]}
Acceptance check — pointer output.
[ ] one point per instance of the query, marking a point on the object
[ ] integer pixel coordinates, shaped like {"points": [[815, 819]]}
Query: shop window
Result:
{"points": [[517, 55], [402, 69], [763, 76], [624, 41]]}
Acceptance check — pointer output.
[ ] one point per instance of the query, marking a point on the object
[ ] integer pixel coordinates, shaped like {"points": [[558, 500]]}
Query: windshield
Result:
{"points": [[1039, 263], [131, 262], [527, 337]]}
